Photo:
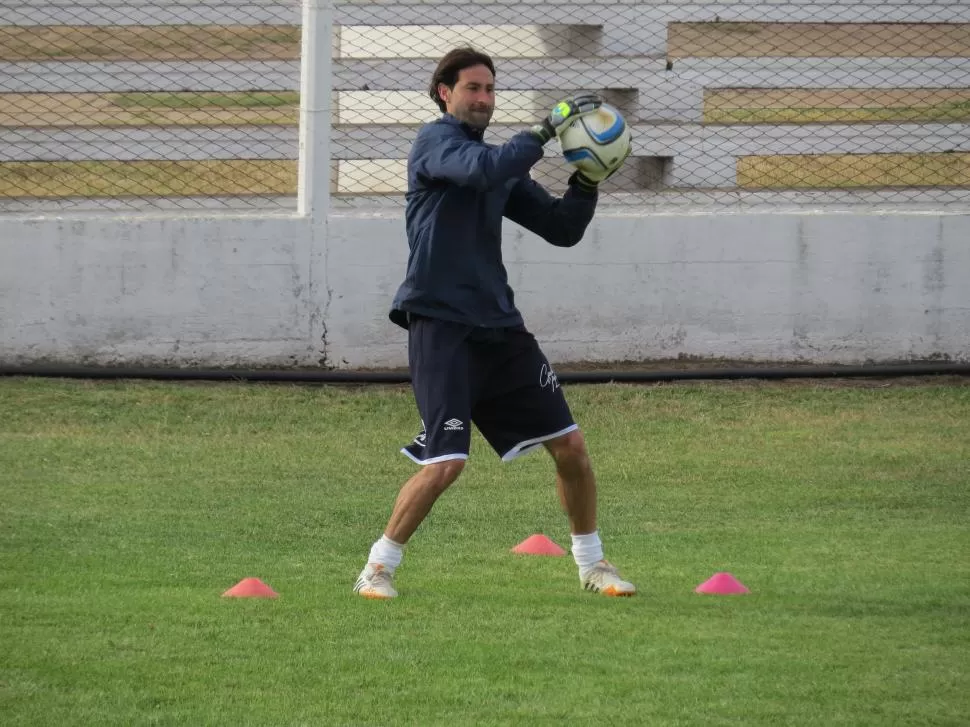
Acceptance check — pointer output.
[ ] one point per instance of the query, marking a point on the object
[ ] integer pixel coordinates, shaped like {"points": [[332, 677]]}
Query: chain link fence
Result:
{"points": [[177, 104], [148, 104]]}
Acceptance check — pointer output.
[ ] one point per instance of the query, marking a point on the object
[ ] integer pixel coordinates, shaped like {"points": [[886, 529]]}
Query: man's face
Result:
{"points": [[472, 100]]}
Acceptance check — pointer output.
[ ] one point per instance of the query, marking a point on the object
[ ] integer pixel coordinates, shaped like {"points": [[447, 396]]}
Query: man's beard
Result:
{"points": [[477, 119]]}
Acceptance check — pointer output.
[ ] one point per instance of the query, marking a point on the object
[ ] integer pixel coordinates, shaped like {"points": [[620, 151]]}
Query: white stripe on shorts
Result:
{"points": [[433, 460], [531, 444]]}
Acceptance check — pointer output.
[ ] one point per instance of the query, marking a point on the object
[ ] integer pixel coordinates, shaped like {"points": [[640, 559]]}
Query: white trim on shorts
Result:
{"points": [[531, 444], [432, 460]]}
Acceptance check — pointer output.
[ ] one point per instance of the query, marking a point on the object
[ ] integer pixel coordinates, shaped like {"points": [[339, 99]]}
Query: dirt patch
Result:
{"points": [[818, 40], [846, 105], [103, 109], [148, 178], [852, 171], [149, 43]]}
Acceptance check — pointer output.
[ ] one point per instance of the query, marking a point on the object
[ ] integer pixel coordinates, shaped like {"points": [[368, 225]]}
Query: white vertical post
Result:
{"points": [[316, 70]]}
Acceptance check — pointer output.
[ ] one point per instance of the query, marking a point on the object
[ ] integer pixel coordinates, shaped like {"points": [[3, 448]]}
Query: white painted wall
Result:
{"points": [[313, 289], [826, 287], [215, 291], [281, 291]]}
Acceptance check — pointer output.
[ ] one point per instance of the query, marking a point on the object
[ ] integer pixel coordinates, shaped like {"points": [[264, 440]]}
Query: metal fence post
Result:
{"points": [[315, 118]]}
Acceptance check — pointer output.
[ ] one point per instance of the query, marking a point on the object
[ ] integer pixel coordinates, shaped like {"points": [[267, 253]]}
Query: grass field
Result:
{"points": [[128, 508]]}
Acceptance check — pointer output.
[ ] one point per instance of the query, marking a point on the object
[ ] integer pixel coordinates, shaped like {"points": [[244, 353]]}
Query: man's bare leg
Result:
{"points": [[414, 502], [418, 496], [575, 481], [577, 493]]}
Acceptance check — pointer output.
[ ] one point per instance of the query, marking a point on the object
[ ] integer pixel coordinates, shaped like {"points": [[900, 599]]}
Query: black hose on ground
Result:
{"points": [[584, 377]]}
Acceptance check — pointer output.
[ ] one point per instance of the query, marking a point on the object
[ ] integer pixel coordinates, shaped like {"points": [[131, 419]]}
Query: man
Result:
{"points": [[469, 353]]}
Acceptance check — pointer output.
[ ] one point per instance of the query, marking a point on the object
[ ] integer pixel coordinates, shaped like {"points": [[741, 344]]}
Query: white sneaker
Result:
{"points": [[375, 582], [603, 578]]}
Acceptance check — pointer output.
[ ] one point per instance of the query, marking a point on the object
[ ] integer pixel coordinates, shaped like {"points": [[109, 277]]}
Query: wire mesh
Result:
{"points": [[178, 104], [157, 104], [730, 103]]}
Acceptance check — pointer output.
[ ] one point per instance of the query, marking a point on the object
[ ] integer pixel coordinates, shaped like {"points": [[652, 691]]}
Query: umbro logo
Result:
{"points": [[454, 425]]}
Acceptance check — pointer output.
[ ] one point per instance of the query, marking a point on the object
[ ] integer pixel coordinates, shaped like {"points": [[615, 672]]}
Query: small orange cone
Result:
{"points": [[538, 545], [250, 588], [722, 584]]}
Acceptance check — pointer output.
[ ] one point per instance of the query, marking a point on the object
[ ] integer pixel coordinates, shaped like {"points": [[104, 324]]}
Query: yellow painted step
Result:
{"points": [[850, 171], [149, 42], [841, 105], [822, 40], [149, 109], [148, 178]]}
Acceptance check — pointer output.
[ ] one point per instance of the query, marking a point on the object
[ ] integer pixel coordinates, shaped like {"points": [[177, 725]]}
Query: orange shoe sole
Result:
{"points": [[611, 591]]}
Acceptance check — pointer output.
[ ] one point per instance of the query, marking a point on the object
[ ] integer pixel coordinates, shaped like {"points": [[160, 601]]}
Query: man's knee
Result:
{"points": [[440, 475], [569, 449]]}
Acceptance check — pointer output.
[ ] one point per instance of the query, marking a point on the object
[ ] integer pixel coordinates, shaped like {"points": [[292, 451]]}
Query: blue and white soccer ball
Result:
{"points": [[597, 143]]}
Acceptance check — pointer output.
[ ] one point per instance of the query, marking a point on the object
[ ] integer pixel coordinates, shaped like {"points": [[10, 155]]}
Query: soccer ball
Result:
{"points": [[596, 143]]}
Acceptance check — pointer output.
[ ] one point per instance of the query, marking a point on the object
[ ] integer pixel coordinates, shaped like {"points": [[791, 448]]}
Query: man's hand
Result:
{"points": [[564, 112]]}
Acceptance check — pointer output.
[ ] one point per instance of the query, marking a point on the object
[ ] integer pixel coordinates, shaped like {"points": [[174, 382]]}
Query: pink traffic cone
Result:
{"points": [[250, 588], [722, 584], [538, 545]]}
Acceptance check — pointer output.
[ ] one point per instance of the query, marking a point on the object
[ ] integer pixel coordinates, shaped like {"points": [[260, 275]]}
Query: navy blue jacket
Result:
{"points": [[459, 188]]}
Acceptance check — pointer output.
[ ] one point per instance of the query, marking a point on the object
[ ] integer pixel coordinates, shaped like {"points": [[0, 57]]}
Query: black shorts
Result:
{"points": [[495, 377]]}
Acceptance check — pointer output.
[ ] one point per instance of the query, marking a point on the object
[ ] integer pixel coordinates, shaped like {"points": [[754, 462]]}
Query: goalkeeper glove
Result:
{"points": [[564, 112], [589, 181]]}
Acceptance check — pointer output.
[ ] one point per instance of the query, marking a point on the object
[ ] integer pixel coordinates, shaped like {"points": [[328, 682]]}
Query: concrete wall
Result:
{"points": [[841, 287], [216, 291]]}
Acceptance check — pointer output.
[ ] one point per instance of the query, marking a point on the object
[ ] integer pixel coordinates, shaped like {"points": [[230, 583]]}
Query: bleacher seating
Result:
{"points": [[663, 64]]}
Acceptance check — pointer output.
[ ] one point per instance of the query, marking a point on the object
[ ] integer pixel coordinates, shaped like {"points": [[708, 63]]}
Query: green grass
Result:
{"points": [[128, 508], [197, 100]]}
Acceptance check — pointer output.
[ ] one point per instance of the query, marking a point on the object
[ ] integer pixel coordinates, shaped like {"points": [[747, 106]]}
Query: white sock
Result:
{"points": [[386, 552], [587, 549]]}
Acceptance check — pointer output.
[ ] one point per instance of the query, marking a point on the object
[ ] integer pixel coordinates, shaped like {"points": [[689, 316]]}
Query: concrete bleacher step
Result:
{"points": [[173, 12], [673, 155], [281, 108], [778, 172], [681, 87], [503, 40], [375, 29], [385, 52], [172, 76], [150, 12], [713, 143], [688, 75], [819, 40], [414, 107], [389, 176]]}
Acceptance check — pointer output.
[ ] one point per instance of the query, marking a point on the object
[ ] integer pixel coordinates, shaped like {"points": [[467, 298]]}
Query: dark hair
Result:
{"points": [[451, 65]]}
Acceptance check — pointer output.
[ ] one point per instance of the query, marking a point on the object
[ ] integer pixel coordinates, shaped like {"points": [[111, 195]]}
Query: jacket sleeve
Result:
{"points": [[560, 221], [446, 154]]}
